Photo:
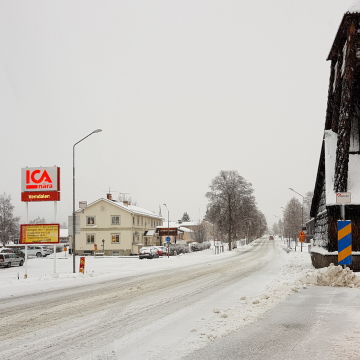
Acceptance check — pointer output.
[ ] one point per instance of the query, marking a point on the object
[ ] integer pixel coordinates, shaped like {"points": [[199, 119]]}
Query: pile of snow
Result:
{"points": [[333, 276]]}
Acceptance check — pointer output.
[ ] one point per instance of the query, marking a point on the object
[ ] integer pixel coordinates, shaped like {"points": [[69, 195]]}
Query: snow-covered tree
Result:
{"points": [[9, 225], [185, 217], [232, 207], [201, 233], [292, 218]]}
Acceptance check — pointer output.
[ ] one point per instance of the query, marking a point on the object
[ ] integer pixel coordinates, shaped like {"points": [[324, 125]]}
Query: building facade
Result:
{"points": [[339, 164], [113, 227]]}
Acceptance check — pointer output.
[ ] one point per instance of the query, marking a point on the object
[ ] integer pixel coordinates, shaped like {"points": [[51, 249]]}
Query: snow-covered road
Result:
{"points": [[161, 315]]}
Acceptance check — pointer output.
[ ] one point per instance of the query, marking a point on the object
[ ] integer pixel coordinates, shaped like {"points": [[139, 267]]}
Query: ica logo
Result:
{"points": [[38, 179]]}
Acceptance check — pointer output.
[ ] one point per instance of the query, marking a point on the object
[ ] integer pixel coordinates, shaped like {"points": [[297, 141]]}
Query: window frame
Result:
{"points": [[115, 216], [119, 238], [87, 220], [87, 238]]}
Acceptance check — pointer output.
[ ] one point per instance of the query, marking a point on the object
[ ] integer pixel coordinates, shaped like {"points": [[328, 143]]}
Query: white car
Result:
{"points": [[37, 251]]}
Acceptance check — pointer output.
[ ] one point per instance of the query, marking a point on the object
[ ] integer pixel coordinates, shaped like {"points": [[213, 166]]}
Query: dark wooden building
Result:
{"points": [[339, 165]]}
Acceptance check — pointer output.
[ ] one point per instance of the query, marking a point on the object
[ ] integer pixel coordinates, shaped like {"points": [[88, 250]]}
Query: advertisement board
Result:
{"points": [[39, 233], [40, 179], [40, 196]]}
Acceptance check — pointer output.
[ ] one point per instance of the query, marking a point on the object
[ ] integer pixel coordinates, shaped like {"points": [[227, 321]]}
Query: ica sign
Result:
{"points": [[40, 179], [40, 184]]}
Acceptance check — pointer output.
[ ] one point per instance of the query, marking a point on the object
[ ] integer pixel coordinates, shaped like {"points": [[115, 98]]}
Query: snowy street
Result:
{"points": [[165, 314]]}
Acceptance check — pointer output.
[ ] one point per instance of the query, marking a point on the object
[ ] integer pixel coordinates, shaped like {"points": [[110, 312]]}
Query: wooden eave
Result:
{"points": [[341, 34], [319, 181]]}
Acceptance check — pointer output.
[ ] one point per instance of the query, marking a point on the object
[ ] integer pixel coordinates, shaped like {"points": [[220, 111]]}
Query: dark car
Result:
{"points": [[10, 259], [148, 253], [271, 237]]}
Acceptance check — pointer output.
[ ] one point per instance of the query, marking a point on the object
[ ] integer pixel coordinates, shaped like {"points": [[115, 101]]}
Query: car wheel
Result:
{"points": [[38, 254], [21, 263]]}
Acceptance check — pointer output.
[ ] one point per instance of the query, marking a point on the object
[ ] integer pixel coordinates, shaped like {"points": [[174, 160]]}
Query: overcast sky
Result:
{"points": [[182, 90]]}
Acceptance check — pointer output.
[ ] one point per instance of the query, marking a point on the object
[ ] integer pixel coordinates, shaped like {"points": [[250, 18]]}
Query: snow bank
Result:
{"points": [[333, 276]]}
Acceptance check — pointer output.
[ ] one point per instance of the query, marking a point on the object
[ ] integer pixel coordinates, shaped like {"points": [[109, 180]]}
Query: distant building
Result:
{"points": [[339, 164], [113, 227]]}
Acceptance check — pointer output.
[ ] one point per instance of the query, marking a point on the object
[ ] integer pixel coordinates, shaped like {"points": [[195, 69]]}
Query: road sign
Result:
{"points": [[344, 242], [82, 264], [343, 198], [168, 239], [302, 237]]}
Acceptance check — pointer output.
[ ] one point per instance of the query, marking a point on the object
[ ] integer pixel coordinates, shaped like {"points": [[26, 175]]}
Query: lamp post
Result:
{"points": [[168, 228], [73, 235], [302, 211]]}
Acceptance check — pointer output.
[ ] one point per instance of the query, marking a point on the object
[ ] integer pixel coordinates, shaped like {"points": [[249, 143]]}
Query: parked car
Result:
{"points": [[37, 251], [271, 237], [10, 259], [161, 250], [148, 253]]}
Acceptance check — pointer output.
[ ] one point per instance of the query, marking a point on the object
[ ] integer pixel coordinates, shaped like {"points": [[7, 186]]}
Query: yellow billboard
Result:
{"points": [[39, 233]]}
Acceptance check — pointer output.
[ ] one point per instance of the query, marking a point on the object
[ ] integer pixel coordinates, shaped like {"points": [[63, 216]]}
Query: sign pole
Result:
{"points": [[344, 231], [26, 248], [55, 215]]}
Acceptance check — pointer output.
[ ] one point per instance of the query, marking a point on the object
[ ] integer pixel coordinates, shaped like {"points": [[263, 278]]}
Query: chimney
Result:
{"points": [[109, 196]]}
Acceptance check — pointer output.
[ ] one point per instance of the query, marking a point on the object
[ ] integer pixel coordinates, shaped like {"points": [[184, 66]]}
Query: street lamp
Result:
{"points": [[73, 239], [302, 211]]}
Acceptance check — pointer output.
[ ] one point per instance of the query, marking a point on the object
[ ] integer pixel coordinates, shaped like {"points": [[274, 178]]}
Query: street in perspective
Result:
{"points": [[180, 180]]}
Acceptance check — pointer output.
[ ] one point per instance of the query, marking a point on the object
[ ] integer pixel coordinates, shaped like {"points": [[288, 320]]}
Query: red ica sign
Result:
{"points": [[40, 184], [40, 179]]}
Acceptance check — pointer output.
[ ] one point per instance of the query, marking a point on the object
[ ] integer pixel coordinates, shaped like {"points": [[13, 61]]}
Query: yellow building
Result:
{"points": [[113, 227]]}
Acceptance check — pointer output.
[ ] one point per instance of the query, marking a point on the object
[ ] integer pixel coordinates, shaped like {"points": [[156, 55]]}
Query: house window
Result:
{"points": [[90, 220], [115, 238], [90, 238], [138, 220], [115, 220]]}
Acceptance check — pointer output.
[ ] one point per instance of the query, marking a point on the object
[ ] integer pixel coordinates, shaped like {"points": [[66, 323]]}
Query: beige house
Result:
{"points": [[113, 227]]}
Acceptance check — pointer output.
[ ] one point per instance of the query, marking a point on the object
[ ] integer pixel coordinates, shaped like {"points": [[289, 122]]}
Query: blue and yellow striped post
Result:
{"points": [[344, 242]]}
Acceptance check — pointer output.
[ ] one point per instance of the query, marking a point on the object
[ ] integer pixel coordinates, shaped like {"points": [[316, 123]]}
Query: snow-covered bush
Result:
{"points": [[200, 246], [180, 249]]}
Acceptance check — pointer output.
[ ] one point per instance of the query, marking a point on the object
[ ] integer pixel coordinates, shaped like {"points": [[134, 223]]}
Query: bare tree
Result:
{"points": [[231, 200], [9, 224], [292, 218], [200, 233]]}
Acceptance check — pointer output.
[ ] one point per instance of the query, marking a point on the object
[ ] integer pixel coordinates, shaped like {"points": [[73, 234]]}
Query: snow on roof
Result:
{"points": [[175, 225], [355, 7], [353, 171], [189, 223], [130, 208], [150, 232]]}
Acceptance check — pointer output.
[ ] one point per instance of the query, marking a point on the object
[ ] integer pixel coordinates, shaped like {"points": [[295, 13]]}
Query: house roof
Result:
{"points": [[175, 225], [129, 208], [352, 14]]}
